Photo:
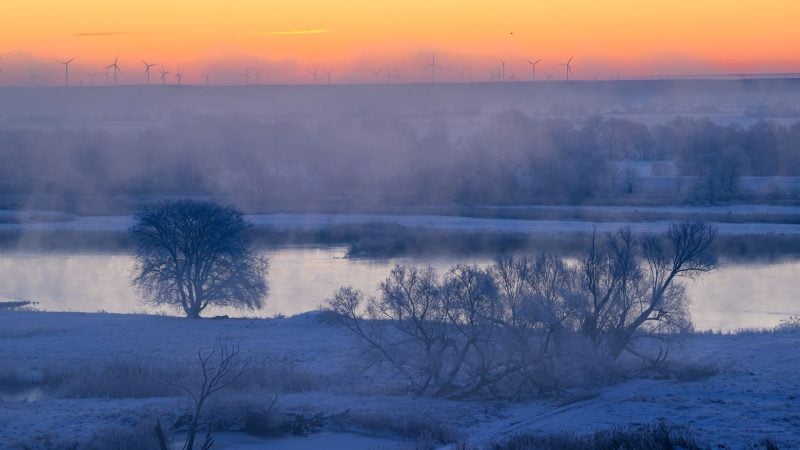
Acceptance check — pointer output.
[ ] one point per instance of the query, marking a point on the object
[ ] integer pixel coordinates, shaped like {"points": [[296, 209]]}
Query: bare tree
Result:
{"points": [[192, 254], [632, 286], [219, 369]]}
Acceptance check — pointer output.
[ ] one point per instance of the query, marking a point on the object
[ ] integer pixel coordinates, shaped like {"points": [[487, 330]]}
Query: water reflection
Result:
{"points": [[750, 295]]}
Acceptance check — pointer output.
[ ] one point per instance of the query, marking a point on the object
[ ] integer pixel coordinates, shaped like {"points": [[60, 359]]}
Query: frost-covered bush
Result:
{"points": [[528, 325]]}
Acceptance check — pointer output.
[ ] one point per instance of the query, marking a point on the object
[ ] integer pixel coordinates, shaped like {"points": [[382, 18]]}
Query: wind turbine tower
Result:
{"points": [[115, 67], [147, 68], [328, 75], [433, 66], [164, 72], [533, 68], [66, 69], [568, 67], [314, 73], [377, 73], [179, 76]]}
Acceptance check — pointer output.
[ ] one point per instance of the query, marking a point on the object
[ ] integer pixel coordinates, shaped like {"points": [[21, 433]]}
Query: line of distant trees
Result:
{"points": [[512, 158]]}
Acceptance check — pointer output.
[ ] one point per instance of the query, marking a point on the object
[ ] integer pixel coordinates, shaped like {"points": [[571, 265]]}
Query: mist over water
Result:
{"points": [[101, 150], [453, 148]]}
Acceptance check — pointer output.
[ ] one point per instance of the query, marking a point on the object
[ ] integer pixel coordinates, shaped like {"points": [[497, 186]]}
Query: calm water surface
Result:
{"points": [[737, 295]]}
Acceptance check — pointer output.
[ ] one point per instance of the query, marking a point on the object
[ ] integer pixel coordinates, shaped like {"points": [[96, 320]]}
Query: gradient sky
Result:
{"points": [[285, 40]]}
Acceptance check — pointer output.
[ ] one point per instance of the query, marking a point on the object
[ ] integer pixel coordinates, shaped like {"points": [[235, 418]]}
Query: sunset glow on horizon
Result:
{"points": [[284, 41]]}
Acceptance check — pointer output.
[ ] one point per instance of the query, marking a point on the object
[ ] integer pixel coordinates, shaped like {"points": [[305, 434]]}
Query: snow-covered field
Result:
{"points": [[752, 393]]}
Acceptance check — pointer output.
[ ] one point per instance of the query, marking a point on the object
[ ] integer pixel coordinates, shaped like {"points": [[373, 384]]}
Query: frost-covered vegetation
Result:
{"points": [[103, 380], [530, 325], [384, 160], [194, 254]]}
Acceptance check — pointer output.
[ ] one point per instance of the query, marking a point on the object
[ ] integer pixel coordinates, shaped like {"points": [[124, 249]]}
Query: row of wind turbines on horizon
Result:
{"points": [[112, 71]]}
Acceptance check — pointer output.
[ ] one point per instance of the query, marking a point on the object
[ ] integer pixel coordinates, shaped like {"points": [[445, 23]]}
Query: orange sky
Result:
{"points": [[285, 40]]}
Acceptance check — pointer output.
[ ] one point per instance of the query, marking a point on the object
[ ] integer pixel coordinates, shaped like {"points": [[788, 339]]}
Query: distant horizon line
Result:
{"points": [[677, 77]]}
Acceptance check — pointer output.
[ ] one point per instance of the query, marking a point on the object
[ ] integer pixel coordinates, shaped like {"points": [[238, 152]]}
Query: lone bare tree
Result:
{"points": [[632, 284], [192, 254]]}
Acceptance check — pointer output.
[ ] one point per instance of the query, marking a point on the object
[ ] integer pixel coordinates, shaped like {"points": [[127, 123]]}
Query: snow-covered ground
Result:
{"points": [[754, 394]]}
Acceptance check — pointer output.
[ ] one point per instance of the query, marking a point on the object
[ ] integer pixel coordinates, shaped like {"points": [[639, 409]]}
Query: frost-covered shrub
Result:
{"points": [[790, 324], [115, 378], [529, 325]]}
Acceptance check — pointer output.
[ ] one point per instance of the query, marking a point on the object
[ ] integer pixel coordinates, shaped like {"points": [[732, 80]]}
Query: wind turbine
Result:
{"points": [[115, 67], [433, 66], [92, 76], [105, 74], [376, 73], [568, 67], [328, 75], [246, 75], [314, 73], [164, 72], [533, 67], [147, 69], [258, 77], [179, 76], [66, 69], [206, 76], [503, 70], [548, 75]]}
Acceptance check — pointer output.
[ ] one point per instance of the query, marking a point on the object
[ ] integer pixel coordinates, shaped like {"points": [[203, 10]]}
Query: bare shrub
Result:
{"points": [[531, 324], [219, 369]]}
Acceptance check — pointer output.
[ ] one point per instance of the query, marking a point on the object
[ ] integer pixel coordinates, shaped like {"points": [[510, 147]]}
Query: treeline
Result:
{"points": [[385, 160]]}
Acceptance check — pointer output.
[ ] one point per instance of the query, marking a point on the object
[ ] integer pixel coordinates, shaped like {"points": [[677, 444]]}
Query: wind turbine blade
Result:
{"points": [[538, 61], [570, 59]]}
